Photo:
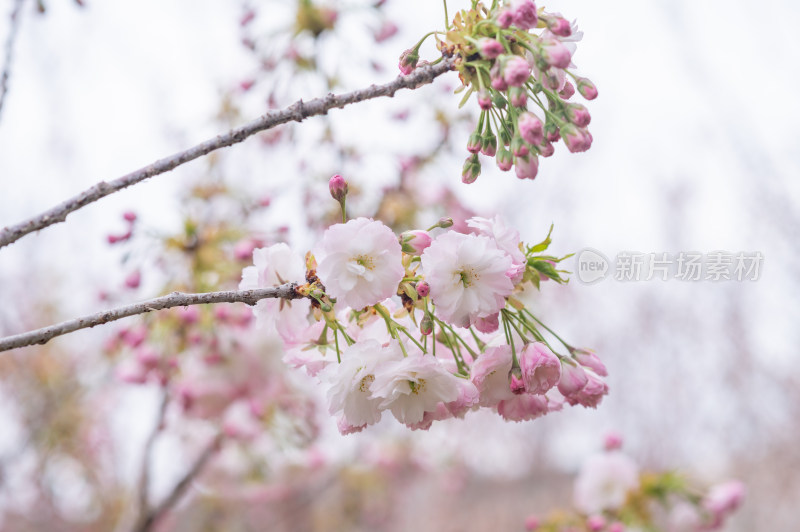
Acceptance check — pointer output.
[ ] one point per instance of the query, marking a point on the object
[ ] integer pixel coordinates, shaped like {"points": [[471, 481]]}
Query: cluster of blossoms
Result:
{"points": [[426, 325], [511, 54], [612, 495]]}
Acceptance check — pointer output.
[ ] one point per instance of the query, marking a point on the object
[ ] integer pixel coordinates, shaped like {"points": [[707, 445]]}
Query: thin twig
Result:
{"points": [[9, 51], [144, 473], [297, 112], [150, 519], [175, 299]]}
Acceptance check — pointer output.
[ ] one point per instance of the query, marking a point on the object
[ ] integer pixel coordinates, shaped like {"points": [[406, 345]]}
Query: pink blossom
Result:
{"points": [[526, 167], [541, 369], [523, 407], [613, 441], [506, 238], [350, 382], [587, 88], [531, 128], [568, 91], [589, 359], [504, 18], [576, 139], [387, 30], [518, 96], [338, 188], [555, 53], [516, 71], [489, 324], [133, 280], [722, 500], [360, 262], [505, 160], [531, 523], [573, 379], [524, 13], [467, 276], [596, 523], [578, 115], [274, 266], [414, 385], [490, 48], [490, 375]]}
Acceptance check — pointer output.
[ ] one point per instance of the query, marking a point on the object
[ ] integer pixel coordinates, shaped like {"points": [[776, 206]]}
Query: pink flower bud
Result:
{"points": [[490, 48], [596, 523], [134, 337], [484, 99], [573, 379], [505, 160], [568, 91], [129, 216], [576, 139], [555, 53], [471, 169], [489, 145], [133, 280], [525, 16], [445, 222], [531, 128], [541, 369], [518, 96], [243, 250], [188, 315], [414, 242], [426, 325], [113, 239], [616, 526], [546, 149], [587, 88], [590, 395], [499, 84], [516, 71], [613, 441], [505, 18], [147, 358], [551, 132], [531, 523], [474, 142], [558, 26], [423, 289], [578, 115], [518, 146], [387, 30], [338, 188], [408, 61], [588, 359], [526, 167]]}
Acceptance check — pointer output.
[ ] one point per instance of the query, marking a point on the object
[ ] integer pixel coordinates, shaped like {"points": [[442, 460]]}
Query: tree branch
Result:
{"points": [[150, 518], [144, 472], [175, 299], [297, 112], [12, 35]]}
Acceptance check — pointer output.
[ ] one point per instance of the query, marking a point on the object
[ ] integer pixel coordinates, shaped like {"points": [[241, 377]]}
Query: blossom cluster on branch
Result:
{"points": [[507, 64], [426, 324]]}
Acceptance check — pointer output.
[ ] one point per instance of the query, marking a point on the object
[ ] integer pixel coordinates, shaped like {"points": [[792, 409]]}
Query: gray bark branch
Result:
{"points": [[175, 299], [150, 519], [9, 51], [297, 112]]}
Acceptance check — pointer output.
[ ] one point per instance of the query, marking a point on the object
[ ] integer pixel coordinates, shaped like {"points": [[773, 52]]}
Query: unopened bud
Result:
{"points": [[578, 114], [489, 145], [568, 91], [408, 61], [530, 128], [505, 136], [426, 325], [518, 146], [129, 216], [558, 26], [471, 169], [587, 88], [484, 99], [489, 48], [555, 53], [526, 167], [445, 222], [551, 132], [505, 160], [338, 188], [499, 101], [518, 96], [415, 242], [423, 289], [474, 142], [576, 139], [505, 18]]}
